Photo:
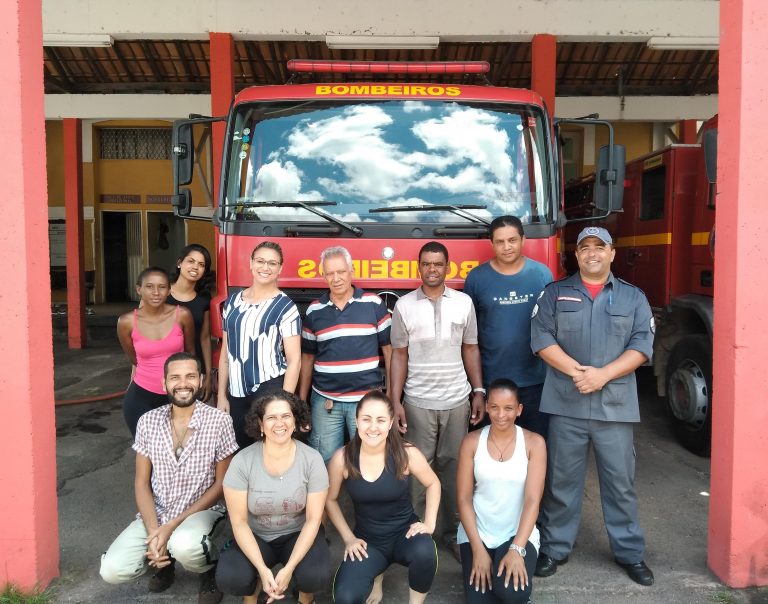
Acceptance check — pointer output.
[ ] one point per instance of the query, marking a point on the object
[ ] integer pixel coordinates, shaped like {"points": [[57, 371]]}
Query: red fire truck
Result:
{"points": [[381, 168], [664, 240]]}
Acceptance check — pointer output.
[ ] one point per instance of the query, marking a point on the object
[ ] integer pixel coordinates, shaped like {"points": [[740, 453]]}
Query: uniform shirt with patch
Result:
{"points": [[593, 332]]}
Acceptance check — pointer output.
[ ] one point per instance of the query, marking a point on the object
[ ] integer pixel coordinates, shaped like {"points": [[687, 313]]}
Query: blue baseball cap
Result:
{"points": [[593, 231]]}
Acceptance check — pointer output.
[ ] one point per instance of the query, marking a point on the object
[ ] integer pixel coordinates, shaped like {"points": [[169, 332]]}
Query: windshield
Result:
{"points": [[351, 158]]}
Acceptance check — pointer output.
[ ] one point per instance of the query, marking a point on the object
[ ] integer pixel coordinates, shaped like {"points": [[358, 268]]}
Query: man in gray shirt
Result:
{"points": [[435, 367], [592, 330]]}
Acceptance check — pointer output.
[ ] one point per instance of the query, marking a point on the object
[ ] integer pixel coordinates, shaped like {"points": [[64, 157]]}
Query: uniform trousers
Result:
{"points": [[567, 454], [438, 435]]}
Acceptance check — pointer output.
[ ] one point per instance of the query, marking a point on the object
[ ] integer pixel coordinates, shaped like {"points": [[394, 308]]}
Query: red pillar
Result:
{"points": [[222, 53], [738, 511], [29, 533], [544, 68], [687, 132], [73, 202]]}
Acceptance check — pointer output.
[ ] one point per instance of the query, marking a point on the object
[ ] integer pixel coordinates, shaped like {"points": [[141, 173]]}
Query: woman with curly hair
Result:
{"points": [[275, 491], [376, 468]]}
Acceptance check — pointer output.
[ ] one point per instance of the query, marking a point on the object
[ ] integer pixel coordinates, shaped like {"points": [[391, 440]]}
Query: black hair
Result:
{"points": [[505, 221], [181, 356], [255, 416], [503, 384], [150, 270], [203, 284], [270, 245], [395, 449], [433, 247]]}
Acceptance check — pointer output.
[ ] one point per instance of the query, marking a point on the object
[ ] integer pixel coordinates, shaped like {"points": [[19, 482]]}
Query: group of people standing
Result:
{"points": [[535, 369]]}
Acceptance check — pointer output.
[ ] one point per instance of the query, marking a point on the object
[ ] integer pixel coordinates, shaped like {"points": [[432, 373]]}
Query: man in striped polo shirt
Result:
{"points": [[340, 342], [435, 368]]}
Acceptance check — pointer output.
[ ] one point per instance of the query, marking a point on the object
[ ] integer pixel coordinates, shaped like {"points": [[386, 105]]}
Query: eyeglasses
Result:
{"points": [[260, 262]]}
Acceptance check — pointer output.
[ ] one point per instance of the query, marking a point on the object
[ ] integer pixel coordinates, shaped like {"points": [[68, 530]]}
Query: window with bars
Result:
{"points": [[135, 143]]}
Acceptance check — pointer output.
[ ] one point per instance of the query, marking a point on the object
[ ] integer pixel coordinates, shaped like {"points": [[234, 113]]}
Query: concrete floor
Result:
{"points": [[95, 486]]}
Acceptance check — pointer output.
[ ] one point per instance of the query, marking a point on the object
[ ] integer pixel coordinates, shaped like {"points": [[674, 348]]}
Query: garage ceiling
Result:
{"points": [[182, 66]]}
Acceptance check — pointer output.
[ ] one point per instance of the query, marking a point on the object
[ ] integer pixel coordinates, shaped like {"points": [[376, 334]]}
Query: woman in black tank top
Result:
{"points": [[376, 468]]}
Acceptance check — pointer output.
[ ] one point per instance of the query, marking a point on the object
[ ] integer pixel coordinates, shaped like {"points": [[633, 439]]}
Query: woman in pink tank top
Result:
{"points": [[149, 335]]}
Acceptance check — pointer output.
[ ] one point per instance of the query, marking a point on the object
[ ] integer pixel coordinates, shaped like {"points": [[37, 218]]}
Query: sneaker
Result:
{"points": [[163, 578], [208, 592]]}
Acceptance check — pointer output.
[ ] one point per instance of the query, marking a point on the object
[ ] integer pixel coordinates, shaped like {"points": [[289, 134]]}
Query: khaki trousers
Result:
{"points": [[438, 435], [190, 544]]}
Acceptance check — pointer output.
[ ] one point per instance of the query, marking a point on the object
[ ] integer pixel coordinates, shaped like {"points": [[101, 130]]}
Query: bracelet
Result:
{"points": [[479, 389]]}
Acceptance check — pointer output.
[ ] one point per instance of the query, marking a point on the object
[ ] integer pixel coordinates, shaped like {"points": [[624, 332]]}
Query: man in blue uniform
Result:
{"points": [[592, 330], [504, 291]]}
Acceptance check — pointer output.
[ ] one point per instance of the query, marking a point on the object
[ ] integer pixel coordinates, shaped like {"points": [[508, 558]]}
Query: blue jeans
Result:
{"points": [[328, 425]]}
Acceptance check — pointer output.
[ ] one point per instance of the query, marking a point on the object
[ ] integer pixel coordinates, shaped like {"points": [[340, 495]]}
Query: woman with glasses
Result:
{"points": [[261, 337]]}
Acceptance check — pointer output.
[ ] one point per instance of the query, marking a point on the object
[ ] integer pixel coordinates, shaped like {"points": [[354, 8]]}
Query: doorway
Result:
{"points": [[121, 237], [166, 236]]}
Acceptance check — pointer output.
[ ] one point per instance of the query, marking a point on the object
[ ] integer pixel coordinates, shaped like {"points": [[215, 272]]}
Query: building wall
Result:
{"points": [[115, 177]]}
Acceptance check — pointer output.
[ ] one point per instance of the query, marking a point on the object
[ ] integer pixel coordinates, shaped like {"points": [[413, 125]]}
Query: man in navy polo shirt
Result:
{"points": [[340, 342]]}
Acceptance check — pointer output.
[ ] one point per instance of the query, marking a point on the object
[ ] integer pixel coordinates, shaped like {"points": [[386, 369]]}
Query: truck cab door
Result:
{"points": [[647, 251]]}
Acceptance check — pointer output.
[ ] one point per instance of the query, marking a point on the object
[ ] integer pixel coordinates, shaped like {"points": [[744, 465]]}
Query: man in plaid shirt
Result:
{"points": [[182, 453]]}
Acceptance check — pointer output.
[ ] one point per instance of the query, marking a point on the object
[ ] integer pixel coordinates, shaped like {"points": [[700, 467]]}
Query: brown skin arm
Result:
{"points": [[386, 352], [188, 328], [292, 347], [205, 347], [305, 375], [556, 357], [592, 379], [470, 354], [222, 402], [480, 577], [512, 565], [124, 327], [398, 369]]}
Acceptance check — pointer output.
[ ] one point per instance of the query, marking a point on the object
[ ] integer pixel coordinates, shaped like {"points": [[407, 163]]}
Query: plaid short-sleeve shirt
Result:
{"points": [[178, 483]]}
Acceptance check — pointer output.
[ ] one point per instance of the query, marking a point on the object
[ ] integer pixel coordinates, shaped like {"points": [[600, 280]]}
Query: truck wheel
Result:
{"points": [[689, 393]]}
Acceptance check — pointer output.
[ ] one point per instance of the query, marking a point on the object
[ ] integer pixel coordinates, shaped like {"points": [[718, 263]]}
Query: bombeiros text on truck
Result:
{"points": [[381, 167]]}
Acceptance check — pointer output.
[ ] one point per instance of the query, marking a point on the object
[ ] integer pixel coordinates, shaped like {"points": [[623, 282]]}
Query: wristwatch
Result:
{"points": [[518, 549]]}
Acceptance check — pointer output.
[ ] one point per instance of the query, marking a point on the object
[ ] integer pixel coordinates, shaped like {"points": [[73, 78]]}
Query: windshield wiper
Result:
{"points": [[309, 206], [459, 210]]}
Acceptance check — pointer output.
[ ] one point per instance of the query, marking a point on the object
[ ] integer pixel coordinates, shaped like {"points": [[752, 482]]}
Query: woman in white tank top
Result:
{"points": [[499, 481]]}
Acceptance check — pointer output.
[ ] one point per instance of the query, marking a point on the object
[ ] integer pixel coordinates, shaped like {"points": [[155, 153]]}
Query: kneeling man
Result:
{"points": [[182, 453]]}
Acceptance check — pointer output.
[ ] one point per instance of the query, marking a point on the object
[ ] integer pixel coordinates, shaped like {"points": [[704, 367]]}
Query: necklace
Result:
{"points": [[499, 449], [179, 447]]}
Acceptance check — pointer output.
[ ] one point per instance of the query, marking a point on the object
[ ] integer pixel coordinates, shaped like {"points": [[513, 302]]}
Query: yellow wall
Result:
{"points": [[54, 143], [54, 153], [637, 137]]}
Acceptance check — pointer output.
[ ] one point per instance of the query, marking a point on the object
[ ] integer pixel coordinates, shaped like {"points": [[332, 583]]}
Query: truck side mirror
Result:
{"points": [[609, 178], [709, 141], [183, 148]]}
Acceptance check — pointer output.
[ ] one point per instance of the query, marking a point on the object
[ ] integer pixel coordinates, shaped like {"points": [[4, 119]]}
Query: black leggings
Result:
{"points": [[137, 401], [497, 593], [354, 579], [237, 576], [239, 406]]}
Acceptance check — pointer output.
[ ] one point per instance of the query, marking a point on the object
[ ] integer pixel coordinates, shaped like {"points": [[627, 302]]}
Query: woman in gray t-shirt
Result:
{"points": [[275, 492]]}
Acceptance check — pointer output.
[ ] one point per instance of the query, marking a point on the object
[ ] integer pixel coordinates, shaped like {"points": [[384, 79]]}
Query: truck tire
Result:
{"points": [[689, 393]]}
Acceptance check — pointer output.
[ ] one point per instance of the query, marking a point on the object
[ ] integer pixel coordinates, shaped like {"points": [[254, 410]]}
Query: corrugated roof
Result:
{"points": [[182, 66]]}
